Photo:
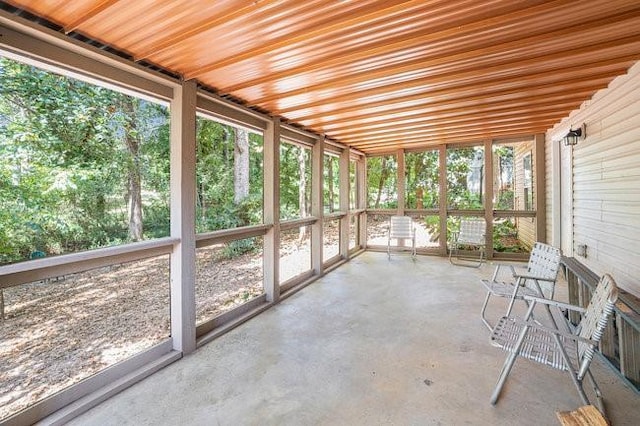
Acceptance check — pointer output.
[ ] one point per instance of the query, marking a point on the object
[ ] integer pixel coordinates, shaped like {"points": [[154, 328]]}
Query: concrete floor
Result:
{"points": [[374, 342]]}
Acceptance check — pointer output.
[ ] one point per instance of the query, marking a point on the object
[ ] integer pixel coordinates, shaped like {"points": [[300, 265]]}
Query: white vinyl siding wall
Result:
{"points": [[606, 180], [526, 225]]}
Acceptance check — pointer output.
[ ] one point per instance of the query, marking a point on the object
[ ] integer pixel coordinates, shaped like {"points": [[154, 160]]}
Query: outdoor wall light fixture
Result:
{"points": [[575, 135]]}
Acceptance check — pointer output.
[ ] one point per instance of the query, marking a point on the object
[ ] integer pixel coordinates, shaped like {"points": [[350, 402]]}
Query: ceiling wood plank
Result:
{"points": [[95, 10], [536, 45], [470, 90], [422, 37]]}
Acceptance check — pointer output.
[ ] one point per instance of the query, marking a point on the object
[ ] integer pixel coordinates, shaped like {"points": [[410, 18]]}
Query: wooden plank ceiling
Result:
{"points": [[378, 75]]}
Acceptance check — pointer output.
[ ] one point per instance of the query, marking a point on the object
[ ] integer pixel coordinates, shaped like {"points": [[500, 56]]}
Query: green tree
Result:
{"points": [[381, 182], [64, 146]]}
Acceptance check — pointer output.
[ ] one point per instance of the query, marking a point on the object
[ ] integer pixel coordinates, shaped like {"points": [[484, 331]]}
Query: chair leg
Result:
{"points": [[511, 359], [513, 298], [482, 312], [504, 373], [469, 263]]}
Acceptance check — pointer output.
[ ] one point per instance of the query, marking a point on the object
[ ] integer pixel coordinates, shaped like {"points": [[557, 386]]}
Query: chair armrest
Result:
{"points": [[533, 277], [555, 303], [505, 265]]}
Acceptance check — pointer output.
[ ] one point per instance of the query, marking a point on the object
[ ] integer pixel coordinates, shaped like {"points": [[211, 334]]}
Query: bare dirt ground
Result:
{"points": [[59, 332]]}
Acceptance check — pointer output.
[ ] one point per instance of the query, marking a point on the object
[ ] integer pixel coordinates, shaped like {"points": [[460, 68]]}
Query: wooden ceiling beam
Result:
{"points": [[469, 91], [198, 28], [550, 107], [496, 108], [478, 102], [340, 28], [608, 29], [541, 68], [449, 139], [427, 37], [309, 36], [453, 130], [95, 10], [467, 122], [430, 144]]}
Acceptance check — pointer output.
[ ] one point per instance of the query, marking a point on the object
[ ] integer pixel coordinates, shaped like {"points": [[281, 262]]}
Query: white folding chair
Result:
{"points": [[401, 228], [537, 279], [568, 351], [472, 233]]}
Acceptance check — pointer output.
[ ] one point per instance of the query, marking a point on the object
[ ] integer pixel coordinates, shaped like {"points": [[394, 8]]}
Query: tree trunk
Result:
{"points": [[241, 166], [384, 173], [330, 179], [133, 169], [419, 179]]}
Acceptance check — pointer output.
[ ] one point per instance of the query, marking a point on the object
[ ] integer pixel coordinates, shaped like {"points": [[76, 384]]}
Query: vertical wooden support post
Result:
{"points": [[183, 204], [400, 182], [317, 209], [344, 203], [442, 202], [539, 193], [271, 212], [488, 197], [363, 199]]}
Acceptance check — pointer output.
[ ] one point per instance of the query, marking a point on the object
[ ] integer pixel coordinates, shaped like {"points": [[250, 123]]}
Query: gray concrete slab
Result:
{"points": [[396, 342]]}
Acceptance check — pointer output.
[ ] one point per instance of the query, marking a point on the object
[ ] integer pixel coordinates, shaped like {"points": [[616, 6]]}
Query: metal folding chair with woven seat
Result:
{"points": [[568, 351], [472, 233], [538, 278], [401, 228]]}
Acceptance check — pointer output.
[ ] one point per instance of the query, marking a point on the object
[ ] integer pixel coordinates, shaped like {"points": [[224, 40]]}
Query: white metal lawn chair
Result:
{"points": [[400, 229], [537, 279], [568, 351], [472, 233]]}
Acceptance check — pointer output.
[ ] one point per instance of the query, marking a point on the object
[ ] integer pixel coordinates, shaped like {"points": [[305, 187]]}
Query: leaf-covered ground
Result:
{"points": [[59, 332]]}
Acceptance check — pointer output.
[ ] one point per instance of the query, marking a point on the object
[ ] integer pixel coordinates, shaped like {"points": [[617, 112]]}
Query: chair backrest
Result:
{"points": [[472, 231], [401, 227], [544, 262], [594, 320]]}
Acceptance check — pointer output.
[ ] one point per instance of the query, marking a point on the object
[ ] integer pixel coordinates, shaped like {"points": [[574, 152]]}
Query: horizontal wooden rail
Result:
{"points": [[514, 213], [333, 216], [621, 340], [383, 212], [56, 266], [422, 212], [297, 223], [226, 235], [467, 213]]}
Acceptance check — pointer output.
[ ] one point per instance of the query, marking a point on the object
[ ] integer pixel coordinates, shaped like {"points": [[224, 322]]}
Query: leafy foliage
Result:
{"points": [[65, 166], [215, 205], [505, 237], [295, 181], [422, 180], [465, 178], [382, 179]]}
